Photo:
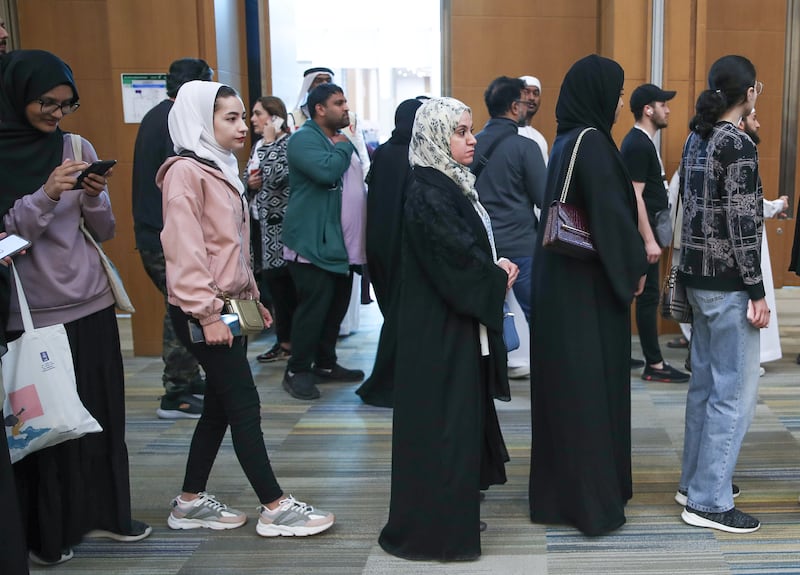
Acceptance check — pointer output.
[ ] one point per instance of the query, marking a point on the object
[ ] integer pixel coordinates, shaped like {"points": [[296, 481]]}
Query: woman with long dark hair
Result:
{"points": [[269, 120], [721, 268], [580, 328]]}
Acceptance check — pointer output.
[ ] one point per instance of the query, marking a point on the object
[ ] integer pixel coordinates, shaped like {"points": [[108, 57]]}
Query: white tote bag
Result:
{"points": [[42, 407]]}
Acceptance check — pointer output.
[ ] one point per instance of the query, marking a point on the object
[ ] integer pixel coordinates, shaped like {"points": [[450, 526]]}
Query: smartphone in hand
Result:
{"points": [[13, 244], [196, 334], [99, 167]]}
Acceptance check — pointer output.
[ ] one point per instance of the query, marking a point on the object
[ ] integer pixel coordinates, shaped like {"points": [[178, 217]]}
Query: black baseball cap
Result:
{"points": [[647, 93]]}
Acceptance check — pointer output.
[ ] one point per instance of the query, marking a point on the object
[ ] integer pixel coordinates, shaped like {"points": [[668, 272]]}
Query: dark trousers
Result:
{"points": [[231, 399], [180, 366], [284, 301], [647, 316], [322, 300]]}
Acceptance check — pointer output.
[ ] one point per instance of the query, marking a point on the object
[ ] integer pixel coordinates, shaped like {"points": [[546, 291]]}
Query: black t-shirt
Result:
{"points": [[641, 159]]}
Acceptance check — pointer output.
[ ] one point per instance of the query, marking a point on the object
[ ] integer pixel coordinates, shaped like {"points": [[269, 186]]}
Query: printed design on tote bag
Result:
{"points": [[26, 405]]}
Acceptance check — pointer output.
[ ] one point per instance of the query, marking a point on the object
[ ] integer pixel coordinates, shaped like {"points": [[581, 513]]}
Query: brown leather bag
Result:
{"points": [[567, 228]]}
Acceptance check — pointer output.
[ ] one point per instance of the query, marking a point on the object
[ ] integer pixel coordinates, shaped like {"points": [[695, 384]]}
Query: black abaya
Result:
{"points": [[580, 335], [446, 441], [388, 179]]}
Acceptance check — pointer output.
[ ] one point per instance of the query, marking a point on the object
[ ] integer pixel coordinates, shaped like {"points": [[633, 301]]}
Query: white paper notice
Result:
{"points": [[140, 92]]}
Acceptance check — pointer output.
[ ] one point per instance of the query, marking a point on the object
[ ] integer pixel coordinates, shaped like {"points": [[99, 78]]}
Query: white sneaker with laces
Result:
{"points": [[205, 511], [292, 518]]}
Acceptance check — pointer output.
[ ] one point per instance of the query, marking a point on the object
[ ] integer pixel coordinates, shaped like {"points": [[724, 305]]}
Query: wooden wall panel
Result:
{"points": [[522, 38]]}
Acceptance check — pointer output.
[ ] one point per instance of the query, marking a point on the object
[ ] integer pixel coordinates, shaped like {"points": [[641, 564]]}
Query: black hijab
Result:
{"points": [[404, 121], [27, 155], [589, 95]]}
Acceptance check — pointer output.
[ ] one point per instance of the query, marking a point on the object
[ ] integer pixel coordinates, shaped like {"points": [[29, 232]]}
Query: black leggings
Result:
{"points": [[231, 398]]}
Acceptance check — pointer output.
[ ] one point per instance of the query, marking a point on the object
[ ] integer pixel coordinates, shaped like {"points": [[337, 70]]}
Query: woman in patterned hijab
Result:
{"points": [[451, 359]]}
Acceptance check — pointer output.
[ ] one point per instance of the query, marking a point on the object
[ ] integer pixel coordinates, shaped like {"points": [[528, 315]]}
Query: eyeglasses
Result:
{"points": [[50, 107], [758, 87]]}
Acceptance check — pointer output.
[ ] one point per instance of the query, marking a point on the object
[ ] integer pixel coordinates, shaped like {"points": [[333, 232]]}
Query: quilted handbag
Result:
{"points": [[567, 228], [674, 303]]}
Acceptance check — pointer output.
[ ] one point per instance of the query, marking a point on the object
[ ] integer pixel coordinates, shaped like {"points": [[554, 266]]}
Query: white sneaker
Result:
{"points": [[205, 511], [519, 372], [292, 518]]}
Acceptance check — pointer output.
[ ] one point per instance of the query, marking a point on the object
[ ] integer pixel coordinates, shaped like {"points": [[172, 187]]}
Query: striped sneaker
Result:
{"points": [[292, 518], [205, 511]]}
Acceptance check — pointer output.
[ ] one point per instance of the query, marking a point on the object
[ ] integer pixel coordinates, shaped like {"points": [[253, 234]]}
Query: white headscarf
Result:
{"points": [[305, 88], [191, 127], [531, 81], [435, 122]]}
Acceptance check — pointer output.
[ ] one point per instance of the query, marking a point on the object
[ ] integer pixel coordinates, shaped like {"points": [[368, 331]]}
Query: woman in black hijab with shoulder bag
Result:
{"points": [[580, 328], [71, 489]]}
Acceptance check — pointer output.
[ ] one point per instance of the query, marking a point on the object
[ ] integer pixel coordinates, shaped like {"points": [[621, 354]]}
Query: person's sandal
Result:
{"points": [[275, 353]]}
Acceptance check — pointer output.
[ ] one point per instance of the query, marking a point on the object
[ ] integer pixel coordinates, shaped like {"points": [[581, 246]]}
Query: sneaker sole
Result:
{"points": [[176, 523], [665, 379], [322, 378], [697, 521], [175, 414], [103, 534], [296, 395], [272, 530]]}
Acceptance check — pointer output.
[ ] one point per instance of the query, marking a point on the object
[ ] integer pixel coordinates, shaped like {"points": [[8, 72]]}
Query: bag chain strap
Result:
{"points": [[572, 164]]}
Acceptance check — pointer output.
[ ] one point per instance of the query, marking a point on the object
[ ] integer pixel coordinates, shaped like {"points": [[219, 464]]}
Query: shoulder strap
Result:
{"points": [[567, 180], [477, 167], [77, 147]]}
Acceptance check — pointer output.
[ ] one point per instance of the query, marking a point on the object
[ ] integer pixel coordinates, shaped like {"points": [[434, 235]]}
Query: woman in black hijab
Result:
{"points": [[580, 328], [67, 490], [388, 180]]}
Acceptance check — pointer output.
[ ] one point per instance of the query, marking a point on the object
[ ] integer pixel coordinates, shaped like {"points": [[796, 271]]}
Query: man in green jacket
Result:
{"points": [[315, 247]]}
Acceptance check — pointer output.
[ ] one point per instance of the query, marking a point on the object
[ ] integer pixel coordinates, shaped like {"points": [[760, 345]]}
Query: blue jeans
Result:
{"points": [[522, 285], [722, 395]]}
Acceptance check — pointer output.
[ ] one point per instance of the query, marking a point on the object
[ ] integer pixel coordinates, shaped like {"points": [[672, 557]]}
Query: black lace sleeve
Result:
{"points": [[440, 234]]}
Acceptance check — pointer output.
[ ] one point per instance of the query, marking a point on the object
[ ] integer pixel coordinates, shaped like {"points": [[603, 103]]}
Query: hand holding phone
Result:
{"points": [[12, 244], [277, 123], [99, 167]]}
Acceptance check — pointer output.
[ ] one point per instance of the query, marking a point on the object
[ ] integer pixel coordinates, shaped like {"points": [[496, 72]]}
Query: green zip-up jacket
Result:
{"points": [[312, 226]]}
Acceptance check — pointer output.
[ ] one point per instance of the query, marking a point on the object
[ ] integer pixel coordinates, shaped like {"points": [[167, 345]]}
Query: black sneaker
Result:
{"points": [[185, 406], [66, 555], [667, 374], [682, 495], [731, 521], [301, 385], [338, 373], [637, 363]]}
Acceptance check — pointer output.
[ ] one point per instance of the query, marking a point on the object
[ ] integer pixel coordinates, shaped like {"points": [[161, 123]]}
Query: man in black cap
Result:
{"points": [[182, 380], [651, 114]]}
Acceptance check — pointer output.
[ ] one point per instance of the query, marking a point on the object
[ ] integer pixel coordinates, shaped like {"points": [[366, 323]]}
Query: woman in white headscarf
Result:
{"points": [[451, 359], [206, 248]]}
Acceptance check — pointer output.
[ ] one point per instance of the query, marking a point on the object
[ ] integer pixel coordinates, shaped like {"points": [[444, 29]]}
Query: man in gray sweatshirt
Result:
{"points": [[511, 178]]}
